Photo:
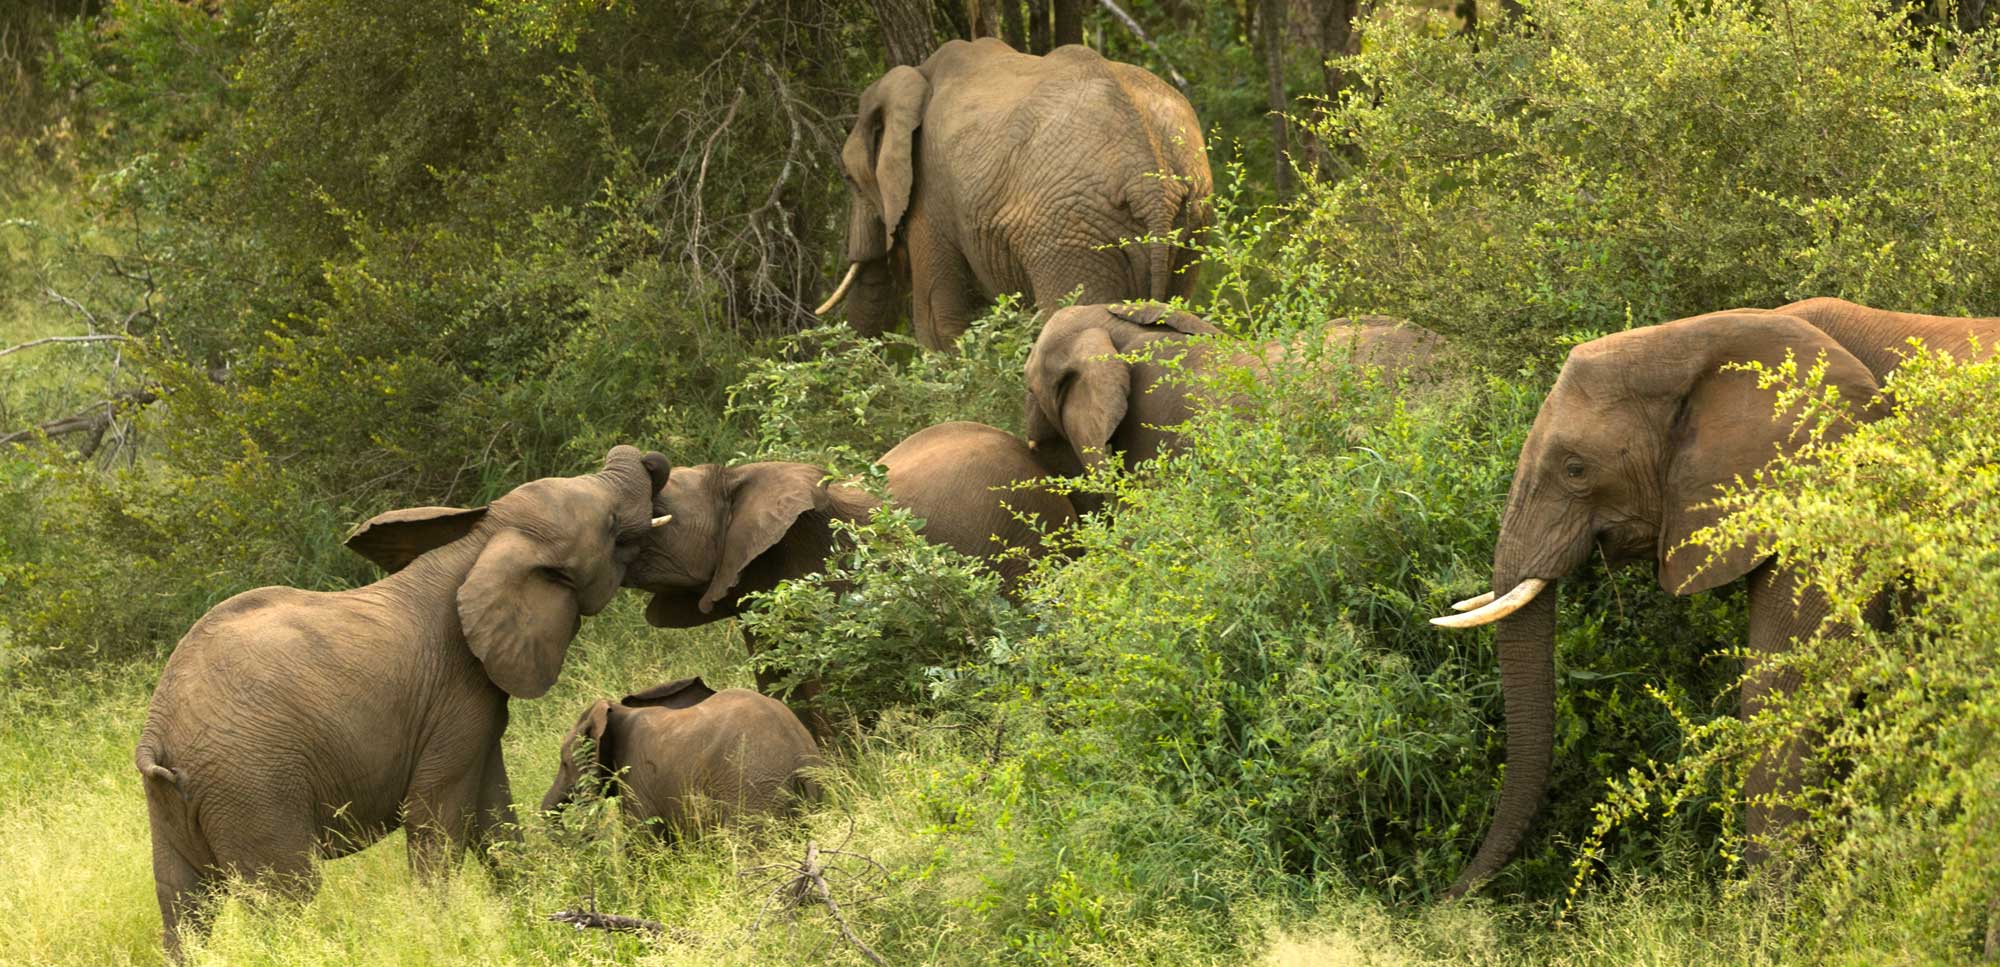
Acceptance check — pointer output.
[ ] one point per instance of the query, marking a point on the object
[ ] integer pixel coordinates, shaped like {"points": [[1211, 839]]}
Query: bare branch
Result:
{"points": [[592, 920], [808, 881], [1140, 32], [94, 418], [45, 340]]}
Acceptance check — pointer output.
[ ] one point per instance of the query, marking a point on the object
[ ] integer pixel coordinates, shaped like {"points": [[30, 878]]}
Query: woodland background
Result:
{"points": [[339, 256]]}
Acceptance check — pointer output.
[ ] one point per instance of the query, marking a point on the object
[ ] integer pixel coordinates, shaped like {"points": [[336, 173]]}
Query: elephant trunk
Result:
{"points": [[1525, 644], [875, 299]]}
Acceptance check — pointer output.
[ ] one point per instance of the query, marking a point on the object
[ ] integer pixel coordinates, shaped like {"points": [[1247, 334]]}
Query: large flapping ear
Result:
{"points": [[879, 156], [394, 539], [518, 616], [684, 693], [1092, 393], [1727, 428], [765, 500], [1160, 314]]}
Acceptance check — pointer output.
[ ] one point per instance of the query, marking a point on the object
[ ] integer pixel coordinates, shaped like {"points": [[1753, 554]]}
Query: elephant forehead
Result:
{"points": [[561, 505]]}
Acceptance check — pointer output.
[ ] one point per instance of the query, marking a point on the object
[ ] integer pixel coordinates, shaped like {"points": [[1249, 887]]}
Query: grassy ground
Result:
{"points": [[78, 886]]}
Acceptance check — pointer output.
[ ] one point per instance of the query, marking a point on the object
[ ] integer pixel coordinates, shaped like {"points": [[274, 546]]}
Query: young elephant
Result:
{"points": [[689, 756], [1085, 403], [738, 530], [291, 725]]}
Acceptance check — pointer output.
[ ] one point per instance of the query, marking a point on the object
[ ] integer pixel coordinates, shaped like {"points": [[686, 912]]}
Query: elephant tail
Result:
{"points": [[150, 769], [1159, 198]]}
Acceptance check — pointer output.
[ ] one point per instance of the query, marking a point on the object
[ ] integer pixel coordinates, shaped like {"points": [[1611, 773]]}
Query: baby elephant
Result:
{"points": [[690, 756]]}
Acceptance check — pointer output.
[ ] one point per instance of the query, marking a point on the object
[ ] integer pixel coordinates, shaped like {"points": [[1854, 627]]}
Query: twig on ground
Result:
{"points": [[616, 923], [808, 881]]}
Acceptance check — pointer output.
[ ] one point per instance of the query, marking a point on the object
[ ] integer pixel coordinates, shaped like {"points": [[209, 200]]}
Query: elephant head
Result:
{"points": [[1641, 429], [1079, 389], [879, 164], [548, 553], [723, 535]]}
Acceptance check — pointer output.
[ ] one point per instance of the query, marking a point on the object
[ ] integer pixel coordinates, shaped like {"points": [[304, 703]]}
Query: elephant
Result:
{"points": [[1086, 403], [1641, 428], [983, 171], [743, 529], [290, 725], [689, 756]]}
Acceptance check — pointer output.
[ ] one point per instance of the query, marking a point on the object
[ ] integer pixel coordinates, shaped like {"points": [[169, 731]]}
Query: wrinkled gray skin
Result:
{"points": [[1640, 426], [739, 530], [1085, 403], [290, 724], [689, 757], [984, 170]]}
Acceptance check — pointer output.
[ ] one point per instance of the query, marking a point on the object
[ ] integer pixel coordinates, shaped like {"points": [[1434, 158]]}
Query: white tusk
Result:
{"points": [[853, 269], [1470, 603], [662, 521], [1492, 611]]}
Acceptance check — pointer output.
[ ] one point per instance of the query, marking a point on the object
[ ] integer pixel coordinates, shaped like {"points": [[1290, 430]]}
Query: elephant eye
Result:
{"points": [[1573, 469], [559, 576]]}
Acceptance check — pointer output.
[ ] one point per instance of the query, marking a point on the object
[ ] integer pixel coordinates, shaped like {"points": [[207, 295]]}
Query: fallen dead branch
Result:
{"points": [[616, 923], [94, 419], [1140, 32], [806, 881]]}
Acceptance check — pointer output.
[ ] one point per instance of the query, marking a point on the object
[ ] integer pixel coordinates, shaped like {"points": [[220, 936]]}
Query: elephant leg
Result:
{"points": [[442, 813], [180, 881], [944, 293], [1774, 623], [495, 821]]}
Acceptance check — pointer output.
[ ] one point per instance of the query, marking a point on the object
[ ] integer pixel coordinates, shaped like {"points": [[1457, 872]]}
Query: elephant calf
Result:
{"points": [[292, 725], [1085, 402], [689, 756]]}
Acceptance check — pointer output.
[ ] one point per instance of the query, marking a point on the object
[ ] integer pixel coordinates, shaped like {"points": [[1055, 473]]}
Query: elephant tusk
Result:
{"points": [[853, 269], [662, 521], [1492, 611], [1476, 602]]}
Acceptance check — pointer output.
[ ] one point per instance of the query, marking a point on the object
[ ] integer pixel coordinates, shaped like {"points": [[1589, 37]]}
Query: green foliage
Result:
{"points": [[1898, 847], [827, 395], [894, 620], [1661, 160]]}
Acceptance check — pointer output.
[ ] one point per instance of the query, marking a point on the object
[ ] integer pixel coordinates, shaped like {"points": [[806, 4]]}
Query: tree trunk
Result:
{"points": [[1271, 22], [907, 33], [1013, 26], [1468, 15], [1040, 26], [1970, 14], [1510, 12], [1069, 22], [983, 17]]}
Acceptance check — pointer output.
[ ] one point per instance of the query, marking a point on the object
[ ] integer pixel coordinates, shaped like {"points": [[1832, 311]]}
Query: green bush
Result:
{"points": [[1630, 159], [893, 621]]}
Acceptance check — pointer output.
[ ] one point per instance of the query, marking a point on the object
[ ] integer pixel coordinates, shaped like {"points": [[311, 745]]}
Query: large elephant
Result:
{"points": [[1640, 428], [984, 171], [291, 725], [689, 756], [1097, 375], [738, 530]]}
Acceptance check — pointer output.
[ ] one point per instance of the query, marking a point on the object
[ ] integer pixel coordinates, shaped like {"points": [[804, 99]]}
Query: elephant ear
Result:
{"points": [[880, 152], [1093, 397], [577, 759], [765, 501], [1727, 428], [517, 615], [394, 539], [1160, 314], [684, 693]]}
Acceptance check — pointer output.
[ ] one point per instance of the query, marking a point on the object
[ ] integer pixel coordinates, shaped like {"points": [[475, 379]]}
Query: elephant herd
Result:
{"points": [[291, 726]]}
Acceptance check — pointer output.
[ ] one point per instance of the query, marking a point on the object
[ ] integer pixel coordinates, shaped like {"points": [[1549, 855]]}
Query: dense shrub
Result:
{"points": [[1644, 161]]}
